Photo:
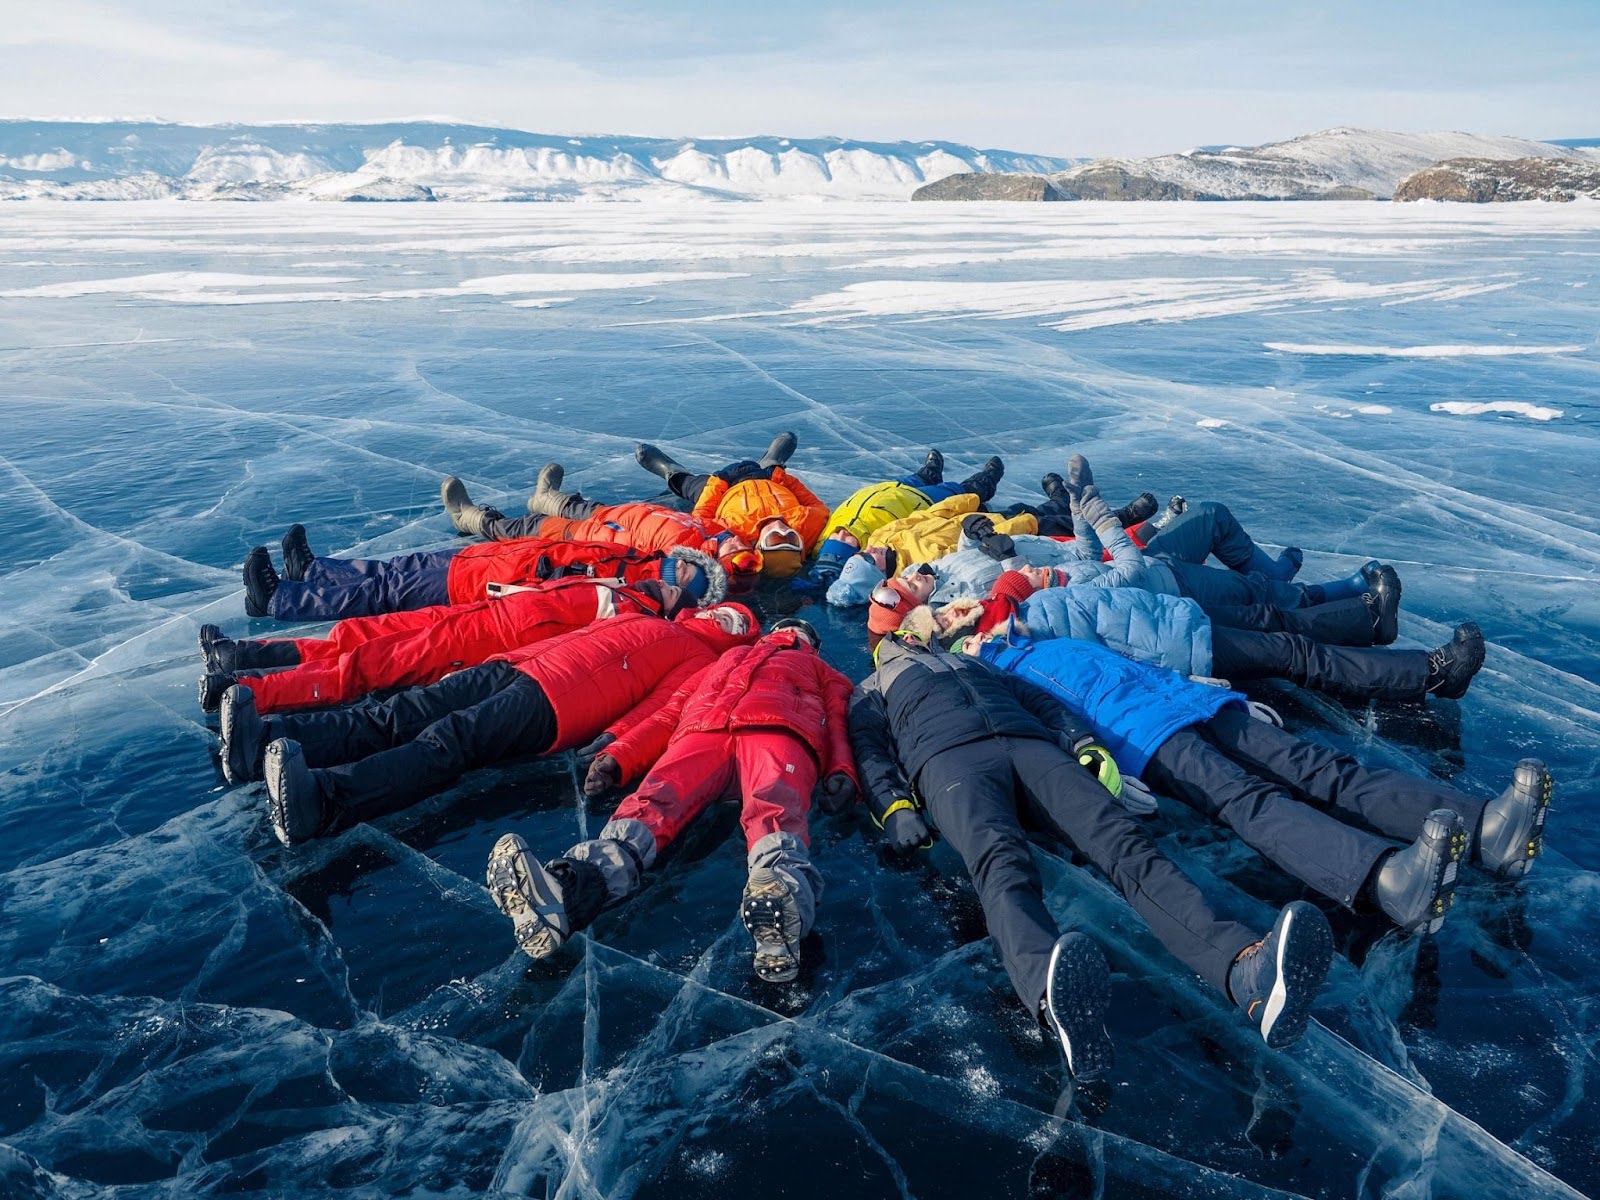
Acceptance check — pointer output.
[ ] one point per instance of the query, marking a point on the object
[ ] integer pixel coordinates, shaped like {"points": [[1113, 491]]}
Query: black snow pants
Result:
{"points": [[379, 756], [1338, 623], [1318, 814], [1354, 673], [984, 795]]}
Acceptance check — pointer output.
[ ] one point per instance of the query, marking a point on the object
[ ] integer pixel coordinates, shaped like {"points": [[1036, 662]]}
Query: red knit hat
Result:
{"points": [[1012, 585]]}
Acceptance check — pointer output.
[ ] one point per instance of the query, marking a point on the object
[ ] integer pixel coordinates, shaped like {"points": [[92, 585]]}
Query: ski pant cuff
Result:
{"points": [[622, 853]]}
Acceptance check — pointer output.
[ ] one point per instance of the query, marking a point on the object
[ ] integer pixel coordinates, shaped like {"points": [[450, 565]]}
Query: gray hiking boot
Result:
{"points": [[243, 736], [1275, 981], [294, 802], [1416, 886], [530, 895], [1175, 508], [1511, 834], [772, 915], [467, 517], [548, 497], [778, 453]]}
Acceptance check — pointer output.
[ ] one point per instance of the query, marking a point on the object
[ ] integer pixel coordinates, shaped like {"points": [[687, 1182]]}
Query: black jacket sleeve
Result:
{"points": [[883, 779], [1055, 715]]}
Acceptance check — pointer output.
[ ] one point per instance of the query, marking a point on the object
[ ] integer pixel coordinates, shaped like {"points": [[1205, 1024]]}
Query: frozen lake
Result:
{"points": [[187, 1008]]}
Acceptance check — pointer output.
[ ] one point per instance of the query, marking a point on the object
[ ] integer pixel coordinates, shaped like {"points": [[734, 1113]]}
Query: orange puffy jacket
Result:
{"points": [[742, 507]]}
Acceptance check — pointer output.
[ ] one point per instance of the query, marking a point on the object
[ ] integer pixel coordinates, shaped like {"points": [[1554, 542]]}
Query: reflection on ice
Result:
{"points": [[186, 1001]]}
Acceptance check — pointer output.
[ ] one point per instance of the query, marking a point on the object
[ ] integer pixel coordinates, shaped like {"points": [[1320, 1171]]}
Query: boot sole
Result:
{"points": [[1533, 839], [1447, 835], [763, 912], [232, 770], [1305, 952], [1077, 992], [520, 886], [277, 809]]}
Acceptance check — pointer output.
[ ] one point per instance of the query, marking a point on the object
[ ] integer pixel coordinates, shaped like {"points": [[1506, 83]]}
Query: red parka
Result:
{"points": [[780, 682], [646, 526], [410, 649], [524, 561], [611, 677]]}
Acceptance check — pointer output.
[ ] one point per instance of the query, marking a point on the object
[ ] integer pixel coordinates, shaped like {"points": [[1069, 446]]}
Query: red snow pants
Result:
{"points": [[772, 770]]}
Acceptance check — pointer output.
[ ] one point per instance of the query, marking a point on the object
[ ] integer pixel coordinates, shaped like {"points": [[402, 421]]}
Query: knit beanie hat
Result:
{"points": [[1012, 585], [882, 619], [834, 550], [695, 581]]}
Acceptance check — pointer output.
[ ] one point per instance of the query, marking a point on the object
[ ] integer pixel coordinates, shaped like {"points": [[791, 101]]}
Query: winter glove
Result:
{"points": [[907, 831], [838, 792], [1098, 762], [1136, 797], [586, 754], [1265, 713], [604, 774]]}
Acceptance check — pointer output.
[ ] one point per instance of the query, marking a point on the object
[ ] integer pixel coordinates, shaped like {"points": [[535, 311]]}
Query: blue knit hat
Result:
{"points": [[835, 550], [697, 584]]}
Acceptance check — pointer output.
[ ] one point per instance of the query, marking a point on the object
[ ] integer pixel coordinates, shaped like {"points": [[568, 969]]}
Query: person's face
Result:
{"points": [[687, 574], [974, 643], [848, 538], [1038, 576], [730, 619], [878, 556], [921, 586], [672, 598]]}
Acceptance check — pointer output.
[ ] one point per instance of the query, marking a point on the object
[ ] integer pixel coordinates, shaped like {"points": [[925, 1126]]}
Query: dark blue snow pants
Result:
{"points": [[335, 588], [1353, 672]]}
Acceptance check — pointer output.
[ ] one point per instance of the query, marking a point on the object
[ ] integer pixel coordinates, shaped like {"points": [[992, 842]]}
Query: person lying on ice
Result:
{"points": [[639, 524], [764, 723], [331, 768], [870, 508], [405, 649], [331, 589], [1177, 634], [760, 501], [987, 757], [1203, 745]]}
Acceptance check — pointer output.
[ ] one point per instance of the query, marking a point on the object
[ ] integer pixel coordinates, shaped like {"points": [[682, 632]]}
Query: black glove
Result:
{"points": [[977, 526], [907, 832], [586, 754], [838, 792], [604, 774], [999, 546]]}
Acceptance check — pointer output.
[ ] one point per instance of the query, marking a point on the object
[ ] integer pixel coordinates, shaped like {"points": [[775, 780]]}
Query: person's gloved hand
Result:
{"points": [[586, 754], [999, 547], [838, 792], [604, 774], [1136, 797], [1098, 762], [907, 832]]}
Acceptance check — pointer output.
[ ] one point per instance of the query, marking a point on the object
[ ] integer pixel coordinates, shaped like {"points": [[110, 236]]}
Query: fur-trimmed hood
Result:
{"points": [[716, 575]]}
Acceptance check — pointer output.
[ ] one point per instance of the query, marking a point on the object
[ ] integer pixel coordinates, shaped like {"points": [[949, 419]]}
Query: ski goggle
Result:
{"points": [[887, 597], [775, 537], [744, 562]]}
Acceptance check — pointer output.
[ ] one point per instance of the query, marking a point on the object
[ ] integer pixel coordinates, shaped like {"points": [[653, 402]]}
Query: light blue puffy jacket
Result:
{"points": [[1164, 631]]}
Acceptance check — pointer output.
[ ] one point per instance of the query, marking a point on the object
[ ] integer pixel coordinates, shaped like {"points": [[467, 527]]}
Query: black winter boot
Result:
{"points": [[778, 453], [210, 635], [1384, 600], [1275, 981], [932, 471], [297, 556], [1452, 666], [984, 483], [1415, 887], [1077, 992], [212, 685], [243, 736], [294, 802], [1511, 833], [1175, 508], [467, 517], [1055, 490], [658, 462], [1141, 508], [260, 581]]}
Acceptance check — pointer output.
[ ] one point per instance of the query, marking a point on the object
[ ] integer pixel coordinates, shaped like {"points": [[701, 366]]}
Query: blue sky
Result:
{"points": [[1064, 78]]}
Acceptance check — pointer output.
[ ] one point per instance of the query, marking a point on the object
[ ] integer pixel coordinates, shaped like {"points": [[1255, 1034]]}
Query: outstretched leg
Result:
{"points": [[1354, 673], [1210, 528]]}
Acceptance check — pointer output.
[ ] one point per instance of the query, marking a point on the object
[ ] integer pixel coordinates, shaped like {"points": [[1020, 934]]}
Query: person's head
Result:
{"points": [[723, 625], [971, 643], [696, 574], [783, 550], [883, 558], [805, 629], [1039, 577], [742, 564], [845, 537], [921, 582], [670, 598], [890, 602]]}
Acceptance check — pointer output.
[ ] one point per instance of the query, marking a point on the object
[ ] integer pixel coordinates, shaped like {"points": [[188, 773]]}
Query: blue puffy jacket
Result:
{"points": [[1164, 631], [1133, 708]]}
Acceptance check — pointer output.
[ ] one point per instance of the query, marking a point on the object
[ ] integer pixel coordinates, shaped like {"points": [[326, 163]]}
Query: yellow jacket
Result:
{"points": [[872, 507], [936, 531]]}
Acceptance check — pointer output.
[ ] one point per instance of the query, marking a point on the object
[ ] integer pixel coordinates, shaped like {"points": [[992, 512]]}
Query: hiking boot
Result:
{"points": [[658, 462], [1175, 508], [530, 895], [1077, 992], [1511, 833], [210, 638], [243, 735], [986, 481], [772, 916], [294, 802], [1416, 886], [778, 453], [1275, 981], [1452, 666], [1383, 597], [548, 497], [260, 581], [297, 556], [1055, 490], [212, 685], [932, 471], [1141, 508], [467, 517]]}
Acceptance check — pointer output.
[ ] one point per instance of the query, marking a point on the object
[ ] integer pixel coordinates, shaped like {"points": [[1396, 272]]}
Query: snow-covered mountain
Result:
{"points": [[423, 160], [1345, 162]]}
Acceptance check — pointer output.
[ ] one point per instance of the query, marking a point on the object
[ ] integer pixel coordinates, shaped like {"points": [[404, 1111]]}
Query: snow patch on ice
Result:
{"points": [[1465, 408], [167, 285], [1211, 422], [1374, 410], [1417, 351]]}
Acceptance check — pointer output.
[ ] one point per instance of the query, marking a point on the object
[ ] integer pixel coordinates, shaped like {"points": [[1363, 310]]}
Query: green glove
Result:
{"points": [[1098, 760]]}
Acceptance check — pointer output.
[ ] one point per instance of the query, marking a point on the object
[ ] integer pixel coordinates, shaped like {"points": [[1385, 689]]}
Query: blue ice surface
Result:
{"points": [[187, 1008]]}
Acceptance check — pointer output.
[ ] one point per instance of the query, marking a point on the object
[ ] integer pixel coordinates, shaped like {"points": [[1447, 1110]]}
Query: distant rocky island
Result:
{"points": [[1334, 164]]}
